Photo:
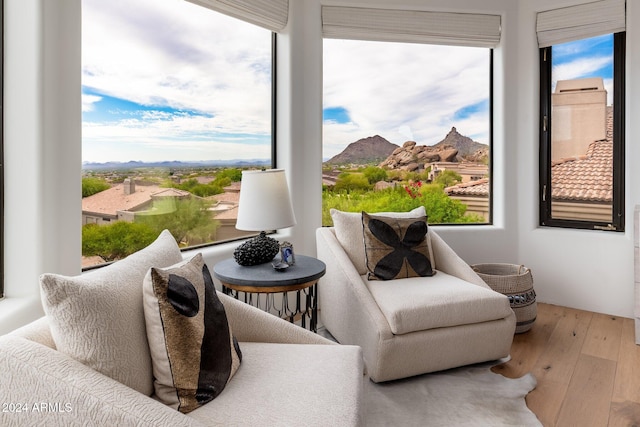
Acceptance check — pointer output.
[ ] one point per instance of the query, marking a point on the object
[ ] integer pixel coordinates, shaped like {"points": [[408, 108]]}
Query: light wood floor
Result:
{"points": [[587, 367]]}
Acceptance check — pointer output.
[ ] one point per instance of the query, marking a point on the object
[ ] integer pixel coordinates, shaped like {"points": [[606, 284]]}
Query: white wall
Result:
{"points": [[590, 270], [583, 269], [42, 118]]}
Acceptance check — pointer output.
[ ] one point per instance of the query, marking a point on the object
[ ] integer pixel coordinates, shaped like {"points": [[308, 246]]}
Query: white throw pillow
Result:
{"points": [[348, 228], [97, 318]]}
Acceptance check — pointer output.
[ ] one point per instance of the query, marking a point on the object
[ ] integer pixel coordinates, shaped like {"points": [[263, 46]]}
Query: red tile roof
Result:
{"points": [[231, 213], [112, 200], [587, 178], [233, 197], [170, 192], [479, 188]]}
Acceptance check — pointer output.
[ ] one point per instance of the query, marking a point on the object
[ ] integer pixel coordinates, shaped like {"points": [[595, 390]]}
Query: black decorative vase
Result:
{"points": [[256, 251]]}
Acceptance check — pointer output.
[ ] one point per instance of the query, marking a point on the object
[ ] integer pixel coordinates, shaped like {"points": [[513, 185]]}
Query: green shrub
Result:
{"points": [[447, 178], [117, 240], [91, 186], [351, 182], [440, 208], [374, 174]]}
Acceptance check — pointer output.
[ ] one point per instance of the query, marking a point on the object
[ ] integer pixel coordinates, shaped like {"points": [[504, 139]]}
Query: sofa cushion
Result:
{"points": [[193, 350], [348, 228], [97, 317], [72, 393], [419, 303], [291, 384], [396, 248]]}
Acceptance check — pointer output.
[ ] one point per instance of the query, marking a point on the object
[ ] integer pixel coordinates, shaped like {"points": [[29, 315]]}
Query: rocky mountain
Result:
{"points": [[412, 157], [466, 146], [453, 148], [373, 149]]}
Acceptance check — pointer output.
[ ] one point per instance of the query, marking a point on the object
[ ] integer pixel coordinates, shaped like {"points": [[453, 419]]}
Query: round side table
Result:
{"points": [[260, 283]]}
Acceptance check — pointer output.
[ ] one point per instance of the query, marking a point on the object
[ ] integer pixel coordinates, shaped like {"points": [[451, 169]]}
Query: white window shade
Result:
{"points": [[580, 22], [448, 28], [269, 14]]}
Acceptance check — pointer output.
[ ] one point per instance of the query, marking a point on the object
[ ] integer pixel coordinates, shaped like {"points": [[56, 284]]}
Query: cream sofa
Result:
{"points": [[288, 376], [70, 367], [414, 325]]}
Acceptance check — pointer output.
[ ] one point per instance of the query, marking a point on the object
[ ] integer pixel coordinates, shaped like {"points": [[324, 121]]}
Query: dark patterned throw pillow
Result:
{"points": [[193, 350], [396, 248]]}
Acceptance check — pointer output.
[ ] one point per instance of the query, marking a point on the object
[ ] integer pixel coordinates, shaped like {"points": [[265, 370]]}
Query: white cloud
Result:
{"points": [[89, 101], [160, 136], [402, 91], [175, 54], [580, 67]]}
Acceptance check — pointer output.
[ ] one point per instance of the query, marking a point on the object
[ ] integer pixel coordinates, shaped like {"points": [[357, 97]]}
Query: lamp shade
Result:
{"points": [[264, 203]]}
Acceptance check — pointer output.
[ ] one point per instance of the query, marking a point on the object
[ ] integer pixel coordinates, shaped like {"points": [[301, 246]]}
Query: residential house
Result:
{"points": [[468, 171], [582, 168], [226, 213], [474, 194]]}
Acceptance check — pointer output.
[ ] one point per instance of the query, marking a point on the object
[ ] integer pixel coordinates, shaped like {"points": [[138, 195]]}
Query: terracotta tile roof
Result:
{"points": [[112, 200], [231, 213], [169, 192], [227, 203], [586, 178], [479, 188], [227, 197]]}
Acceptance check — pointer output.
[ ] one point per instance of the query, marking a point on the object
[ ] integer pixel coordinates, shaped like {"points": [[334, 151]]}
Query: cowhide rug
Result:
{"points": [[468, 396]]}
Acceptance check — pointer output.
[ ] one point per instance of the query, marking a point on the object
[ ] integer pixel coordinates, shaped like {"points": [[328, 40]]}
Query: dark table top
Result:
{"points": [[306, 269]]}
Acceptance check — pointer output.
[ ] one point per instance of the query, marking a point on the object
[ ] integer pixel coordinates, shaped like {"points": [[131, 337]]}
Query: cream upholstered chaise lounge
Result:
{"points": [[89, 362], [414, 325]]}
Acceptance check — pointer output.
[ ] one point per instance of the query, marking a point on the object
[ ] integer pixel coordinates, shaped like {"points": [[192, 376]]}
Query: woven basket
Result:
{"points": [[516, 282]]}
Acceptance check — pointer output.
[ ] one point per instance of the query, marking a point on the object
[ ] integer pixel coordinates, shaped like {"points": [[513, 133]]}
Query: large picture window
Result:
{"points": [[407, 115], [177, 101], [582, 133]]}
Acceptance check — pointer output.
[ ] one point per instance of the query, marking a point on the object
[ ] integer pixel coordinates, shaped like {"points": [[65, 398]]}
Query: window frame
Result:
{"points": [[273, 152], [490, 169], [617, 222]]}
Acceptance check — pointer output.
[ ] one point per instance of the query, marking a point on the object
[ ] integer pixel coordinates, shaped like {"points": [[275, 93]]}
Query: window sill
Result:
{"points": [[18, 311]]}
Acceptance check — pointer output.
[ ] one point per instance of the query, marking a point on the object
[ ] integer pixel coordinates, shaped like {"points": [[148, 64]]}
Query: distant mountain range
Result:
{"points": [[373, 149], [176, 164], [376, 149]]}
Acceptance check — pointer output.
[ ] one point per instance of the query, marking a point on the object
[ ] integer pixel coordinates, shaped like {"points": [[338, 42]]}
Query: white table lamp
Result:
{"points": [[264, 205]]}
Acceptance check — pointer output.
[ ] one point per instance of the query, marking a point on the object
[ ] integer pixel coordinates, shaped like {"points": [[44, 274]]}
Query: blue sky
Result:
{"points": [[418, 92], [403, 92], [336, 115], [587, 58], [171, 80]]}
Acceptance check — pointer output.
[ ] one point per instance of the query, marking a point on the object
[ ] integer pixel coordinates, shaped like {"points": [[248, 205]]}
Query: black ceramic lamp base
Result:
{"points": [[257, 250]]}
